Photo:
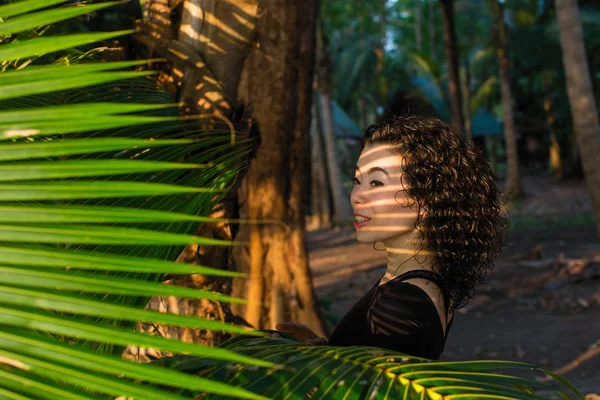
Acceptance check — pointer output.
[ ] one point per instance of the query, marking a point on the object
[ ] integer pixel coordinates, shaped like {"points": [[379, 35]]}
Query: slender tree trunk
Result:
{"points": [[320, 193], [513, 180], [555, 163], [418, 26], [341, 202], [280, 284], [431, 29], [466, 95], [581, 98], [451, 50]]}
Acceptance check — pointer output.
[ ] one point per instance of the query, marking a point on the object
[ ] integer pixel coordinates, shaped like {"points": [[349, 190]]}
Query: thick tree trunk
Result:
{"points": [[452, 62], [581, 97], [513, 187], [208, 45], [341, 201], [276, 84]]}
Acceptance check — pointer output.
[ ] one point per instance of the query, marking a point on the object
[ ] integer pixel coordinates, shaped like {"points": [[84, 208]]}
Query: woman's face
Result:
{"points": [[378, 216]]}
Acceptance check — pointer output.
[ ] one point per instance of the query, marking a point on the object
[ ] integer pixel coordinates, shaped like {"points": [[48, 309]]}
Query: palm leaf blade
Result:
{"points": [[30, 21]]}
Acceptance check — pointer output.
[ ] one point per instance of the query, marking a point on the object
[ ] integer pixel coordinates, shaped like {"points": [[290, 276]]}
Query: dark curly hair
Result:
{"points": [[460, 208]]}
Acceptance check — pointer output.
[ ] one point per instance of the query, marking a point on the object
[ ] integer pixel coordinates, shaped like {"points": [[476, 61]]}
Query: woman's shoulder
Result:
{"points": [[414, 298]]}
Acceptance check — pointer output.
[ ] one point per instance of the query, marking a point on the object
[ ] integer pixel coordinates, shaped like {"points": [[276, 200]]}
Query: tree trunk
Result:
{"points": [[276, 84], [452, 62], [207, 45], [466, 95], [581, 98], [431, 30], [320, 192], [418, 26], [513, 180], [555, 163], [341, 201]]}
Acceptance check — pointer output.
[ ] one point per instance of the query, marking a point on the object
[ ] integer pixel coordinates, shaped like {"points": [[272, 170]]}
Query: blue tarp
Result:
{"points": [[483, 124]]}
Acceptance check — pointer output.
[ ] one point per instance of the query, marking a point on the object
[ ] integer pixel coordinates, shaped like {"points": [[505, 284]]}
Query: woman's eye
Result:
{"points": [[355, 181], [376, 183]]}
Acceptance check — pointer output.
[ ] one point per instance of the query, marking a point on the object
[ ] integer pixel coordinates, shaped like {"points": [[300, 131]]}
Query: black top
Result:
{"points": [[397, 316]]}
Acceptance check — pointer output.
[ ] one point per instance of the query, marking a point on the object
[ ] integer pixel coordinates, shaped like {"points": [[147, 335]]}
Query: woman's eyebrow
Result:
{"points": [[373, 169]]}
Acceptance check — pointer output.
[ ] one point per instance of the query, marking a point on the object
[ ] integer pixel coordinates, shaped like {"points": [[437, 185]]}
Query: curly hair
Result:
{"points": [[460, 207]]}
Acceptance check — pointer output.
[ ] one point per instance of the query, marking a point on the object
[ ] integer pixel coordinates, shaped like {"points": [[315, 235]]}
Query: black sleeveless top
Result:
{"points": [[398, 316]]}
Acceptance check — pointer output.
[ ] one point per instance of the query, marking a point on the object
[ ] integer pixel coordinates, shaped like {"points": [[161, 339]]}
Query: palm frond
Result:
{"points": [[101, 185], [483, 94], [367, 372]]}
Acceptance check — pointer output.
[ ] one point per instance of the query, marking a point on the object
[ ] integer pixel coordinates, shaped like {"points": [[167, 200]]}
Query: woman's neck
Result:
{"points": [[405, 253]]}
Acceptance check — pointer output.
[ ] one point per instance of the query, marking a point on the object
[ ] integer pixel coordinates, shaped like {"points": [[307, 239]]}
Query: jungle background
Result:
{"points": [[304, 79]]}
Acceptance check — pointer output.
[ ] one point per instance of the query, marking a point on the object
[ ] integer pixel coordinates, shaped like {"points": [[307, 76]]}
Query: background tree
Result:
{"points": [[581, 97], [513, 186], [452, 61]]}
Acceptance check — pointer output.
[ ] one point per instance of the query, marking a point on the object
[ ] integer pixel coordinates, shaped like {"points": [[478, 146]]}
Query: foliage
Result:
{"points": [[318, 372], [98, 194]]}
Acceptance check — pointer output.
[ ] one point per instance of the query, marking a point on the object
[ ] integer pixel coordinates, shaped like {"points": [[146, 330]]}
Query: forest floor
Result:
{"points": [[540, 305]]}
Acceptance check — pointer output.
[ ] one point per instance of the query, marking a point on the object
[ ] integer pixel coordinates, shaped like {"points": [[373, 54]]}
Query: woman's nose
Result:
{"points": [[356, 196]]}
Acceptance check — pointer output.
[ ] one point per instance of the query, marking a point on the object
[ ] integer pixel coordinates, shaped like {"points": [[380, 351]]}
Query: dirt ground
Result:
{"points": [[541, 304]]}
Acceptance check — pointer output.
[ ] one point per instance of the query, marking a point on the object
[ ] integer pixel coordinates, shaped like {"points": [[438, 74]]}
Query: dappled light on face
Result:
{"points": [[379, 196]]}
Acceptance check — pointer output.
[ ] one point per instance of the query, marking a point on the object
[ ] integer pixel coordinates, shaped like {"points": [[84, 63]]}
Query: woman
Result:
{"points": [[431, 199]]}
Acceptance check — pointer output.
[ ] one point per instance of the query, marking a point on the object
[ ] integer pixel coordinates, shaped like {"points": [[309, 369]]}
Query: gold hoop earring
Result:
{"points": [[377, 248]]}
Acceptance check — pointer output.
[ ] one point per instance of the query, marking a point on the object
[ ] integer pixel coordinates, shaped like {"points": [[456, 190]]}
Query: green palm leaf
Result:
{"points": [[366, 372], [92, 221]]}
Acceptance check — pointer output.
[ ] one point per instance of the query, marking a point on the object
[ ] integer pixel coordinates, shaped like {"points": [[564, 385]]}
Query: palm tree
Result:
{"points": [[341, 204], [581, 97], [452, 58], [98, 194], [513, 186]]}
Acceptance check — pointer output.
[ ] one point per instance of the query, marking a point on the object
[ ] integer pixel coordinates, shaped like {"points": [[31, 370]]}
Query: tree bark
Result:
{"points": [[555, 163], [210, 46], [320, 192], [513, 187], [581, 98], [466, 92], [418, 26], [277, 85], [452, 62], [341, 201], [431, 29]]}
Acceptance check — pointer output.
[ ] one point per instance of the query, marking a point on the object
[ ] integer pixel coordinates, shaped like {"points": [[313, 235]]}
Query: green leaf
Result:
{"points": [[68, 81], [94, 283], [75, 111], [39, 388], [90, 190], [86, 234], [57, 258], [22, 7], [17, 151], [6, 394], [47, 72], [30, 21], [82, 168], [44, 321], [25, 343], [85, 214], [33, 47]]}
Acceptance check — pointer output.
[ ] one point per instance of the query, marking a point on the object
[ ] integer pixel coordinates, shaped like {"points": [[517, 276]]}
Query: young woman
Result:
{"points": [[431, 199]]}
